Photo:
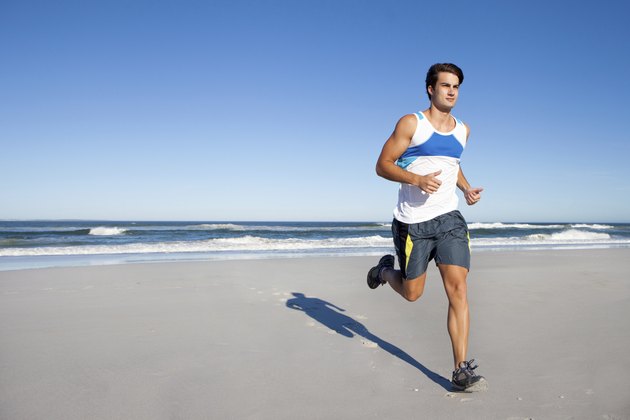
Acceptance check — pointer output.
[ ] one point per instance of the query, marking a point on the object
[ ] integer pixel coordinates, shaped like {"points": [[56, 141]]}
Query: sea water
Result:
{"points": [[27, 244]]}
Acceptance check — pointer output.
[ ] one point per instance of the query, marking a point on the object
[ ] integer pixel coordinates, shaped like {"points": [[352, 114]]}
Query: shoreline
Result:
{"points": [[96, 260], [305, 338]]}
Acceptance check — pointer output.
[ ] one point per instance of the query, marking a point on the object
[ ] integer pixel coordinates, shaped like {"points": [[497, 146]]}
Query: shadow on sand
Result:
{"points": [[329, 315]]}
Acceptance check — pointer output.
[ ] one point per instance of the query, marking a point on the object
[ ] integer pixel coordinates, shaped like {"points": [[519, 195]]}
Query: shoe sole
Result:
{"points": [[373, 279], [479, 386]]}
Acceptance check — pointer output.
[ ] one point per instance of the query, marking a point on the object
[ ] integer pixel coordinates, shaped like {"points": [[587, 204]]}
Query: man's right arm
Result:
{"points": [[394, 147]]}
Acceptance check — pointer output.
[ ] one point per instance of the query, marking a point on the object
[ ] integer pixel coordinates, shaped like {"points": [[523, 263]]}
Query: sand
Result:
{"points": [[306, 339]]}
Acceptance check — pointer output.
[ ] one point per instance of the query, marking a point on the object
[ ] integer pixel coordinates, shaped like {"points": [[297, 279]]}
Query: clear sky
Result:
{"points": [[277, 110]]}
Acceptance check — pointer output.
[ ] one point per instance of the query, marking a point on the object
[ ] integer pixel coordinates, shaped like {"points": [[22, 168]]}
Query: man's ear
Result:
{"points": [[430, 90]]}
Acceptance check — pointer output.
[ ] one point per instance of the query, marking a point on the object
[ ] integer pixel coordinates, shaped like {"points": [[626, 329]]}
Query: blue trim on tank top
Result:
{"points": [[437, 145]]}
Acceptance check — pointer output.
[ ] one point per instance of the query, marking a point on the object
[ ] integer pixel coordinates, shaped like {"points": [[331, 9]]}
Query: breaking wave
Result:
{"points": [[107, 231], [243, 244]]}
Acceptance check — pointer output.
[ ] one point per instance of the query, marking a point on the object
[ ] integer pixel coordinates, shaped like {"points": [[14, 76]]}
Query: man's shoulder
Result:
{"points": [[406, 126], [408, 121], [415, 116]]}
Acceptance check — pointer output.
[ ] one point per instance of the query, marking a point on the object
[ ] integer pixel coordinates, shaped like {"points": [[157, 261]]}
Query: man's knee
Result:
{"points": [[414, 288], [457, 291], [454, 278], [412, 295], [460, 290]]}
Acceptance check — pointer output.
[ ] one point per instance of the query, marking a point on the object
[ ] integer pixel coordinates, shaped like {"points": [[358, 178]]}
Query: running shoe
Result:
{"points": [[374, 278], [466, 380]]}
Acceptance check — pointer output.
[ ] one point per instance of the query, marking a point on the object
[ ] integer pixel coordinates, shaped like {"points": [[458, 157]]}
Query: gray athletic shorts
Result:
{"points": [[444, 238]]}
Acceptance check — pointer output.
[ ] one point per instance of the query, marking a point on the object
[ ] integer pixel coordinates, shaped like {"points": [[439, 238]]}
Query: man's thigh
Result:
{"points": [[453, 248]]}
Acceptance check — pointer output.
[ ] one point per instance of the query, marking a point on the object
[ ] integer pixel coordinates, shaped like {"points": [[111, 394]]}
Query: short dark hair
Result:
{"points": [[434, 70]]}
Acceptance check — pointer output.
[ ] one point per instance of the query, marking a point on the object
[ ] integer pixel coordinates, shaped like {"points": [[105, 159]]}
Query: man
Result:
{"points": [[423, 155]]}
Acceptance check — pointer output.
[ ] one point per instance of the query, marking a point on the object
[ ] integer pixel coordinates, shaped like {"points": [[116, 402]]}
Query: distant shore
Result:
{"points": [[305, 338]]}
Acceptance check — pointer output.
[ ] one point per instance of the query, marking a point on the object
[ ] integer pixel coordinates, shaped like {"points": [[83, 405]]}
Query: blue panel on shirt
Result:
{"points": [[437, 145]]}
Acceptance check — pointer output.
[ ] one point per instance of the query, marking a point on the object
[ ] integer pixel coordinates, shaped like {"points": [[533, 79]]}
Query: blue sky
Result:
{"points": [[270, 110]]}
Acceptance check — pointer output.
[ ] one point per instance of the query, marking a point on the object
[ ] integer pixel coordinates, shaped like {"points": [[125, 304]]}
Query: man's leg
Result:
{"points": [[454, 278], [410, 289]]}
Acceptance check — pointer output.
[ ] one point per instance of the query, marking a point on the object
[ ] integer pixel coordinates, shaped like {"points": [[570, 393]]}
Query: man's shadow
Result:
{"points": [[329, 315]]}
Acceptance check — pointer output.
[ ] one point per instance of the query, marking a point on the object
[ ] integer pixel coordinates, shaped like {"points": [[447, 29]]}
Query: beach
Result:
{"points": [[305, 338]]}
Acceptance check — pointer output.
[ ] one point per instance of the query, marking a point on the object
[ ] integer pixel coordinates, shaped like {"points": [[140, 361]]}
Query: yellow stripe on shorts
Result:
{"points": [[408, 248]]}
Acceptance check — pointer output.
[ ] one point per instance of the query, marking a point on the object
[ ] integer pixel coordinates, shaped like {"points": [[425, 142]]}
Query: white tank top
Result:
{"points": [[429, 151]]}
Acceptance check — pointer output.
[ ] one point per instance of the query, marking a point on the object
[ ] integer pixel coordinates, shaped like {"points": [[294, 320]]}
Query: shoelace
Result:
{"points": [[469, 367]]}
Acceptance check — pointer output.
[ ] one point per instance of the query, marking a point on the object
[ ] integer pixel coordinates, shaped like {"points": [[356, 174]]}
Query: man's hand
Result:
{"points": [[429, 183], [472, 195]]}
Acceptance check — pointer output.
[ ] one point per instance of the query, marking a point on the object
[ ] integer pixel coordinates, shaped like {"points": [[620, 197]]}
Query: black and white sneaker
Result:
{"points": [[466, 380], [374, 278]]}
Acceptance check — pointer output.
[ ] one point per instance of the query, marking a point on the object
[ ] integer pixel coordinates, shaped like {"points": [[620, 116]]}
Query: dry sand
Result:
{"points": [[307, 339]]}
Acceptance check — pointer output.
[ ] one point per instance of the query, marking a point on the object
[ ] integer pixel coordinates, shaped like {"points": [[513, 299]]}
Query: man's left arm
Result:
{"points": [[472, 195]]}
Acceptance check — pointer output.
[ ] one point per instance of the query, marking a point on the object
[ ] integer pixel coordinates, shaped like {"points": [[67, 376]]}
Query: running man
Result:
{"points": [[423, 155]]}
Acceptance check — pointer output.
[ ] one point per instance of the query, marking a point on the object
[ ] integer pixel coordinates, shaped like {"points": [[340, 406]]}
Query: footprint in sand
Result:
{"points": [[283, 299], [369, 344], [464, 400]]}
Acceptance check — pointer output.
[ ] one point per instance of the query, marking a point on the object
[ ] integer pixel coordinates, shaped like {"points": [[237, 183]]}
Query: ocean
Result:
{"points": [[34, 244]]}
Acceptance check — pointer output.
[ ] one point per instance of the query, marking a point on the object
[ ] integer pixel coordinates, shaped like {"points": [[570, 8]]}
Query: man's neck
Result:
{"points": [[440, 120]]}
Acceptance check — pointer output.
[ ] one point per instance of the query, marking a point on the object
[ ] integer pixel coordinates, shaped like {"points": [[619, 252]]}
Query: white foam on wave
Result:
{"points": [[107, 231], [256, 243], [566, 237], [580, 235], [500, 225], [593, 226], [243, 244]]}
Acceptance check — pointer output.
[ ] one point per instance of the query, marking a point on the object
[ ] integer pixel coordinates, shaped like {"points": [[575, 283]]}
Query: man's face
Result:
{"points": [[444, 95]]}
